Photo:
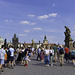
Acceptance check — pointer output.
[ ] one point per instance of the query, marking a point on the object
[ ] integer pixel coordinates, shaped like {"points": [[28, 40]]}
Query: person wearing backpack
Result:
{"points": [[73, 56], [61, 55]]}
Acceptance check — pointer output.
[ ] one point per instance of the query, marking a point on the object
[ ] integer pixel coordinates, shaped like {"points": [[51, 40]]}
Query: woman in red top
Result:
{"points": [[67, 54]]}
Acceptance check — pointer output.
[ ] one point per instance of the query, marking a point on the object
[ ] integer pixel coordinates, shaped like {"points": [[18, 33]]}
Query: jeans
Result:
{"points": [[47, 59], [51, 59]]}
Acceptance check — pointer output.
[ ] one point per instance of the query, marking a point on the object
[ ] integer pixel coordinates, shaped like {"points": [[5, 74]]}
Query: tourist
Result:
{"points": [[26, 56], [42, 54], [23, 61], [73, 56], [58, 52], [11, 62], [33, 50], [67, 54], [38, 53], [15, 57], [2, 56], [29, 53], [19, 59], [55, 52], [61, 55], [47, 53], [6, 58], [51, 55]]}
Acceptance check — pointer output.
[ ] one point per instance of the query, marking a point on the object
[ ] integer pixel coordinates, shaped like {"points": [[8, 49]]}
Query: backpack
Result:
{"points": [[73, 54], [9, 53], [50, 54], [61, 51]]}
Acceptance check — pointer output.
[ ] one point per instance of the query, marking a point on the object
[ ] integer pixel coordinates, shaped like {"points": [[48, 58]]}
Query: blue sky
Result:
{"points": [[32, 19]]}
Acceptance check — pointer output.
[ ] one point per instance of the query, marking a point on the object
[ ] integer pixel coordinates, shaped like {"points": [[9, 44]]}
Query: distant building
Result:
{"points": [[37, 45], [1, 41], [45, 41]]}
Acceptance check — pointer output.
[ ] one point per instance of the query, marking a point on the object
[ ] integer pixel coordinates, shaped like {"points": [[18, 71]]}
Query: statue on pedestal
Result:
{"points": [[32, 42], [68, 40], [15, 41], [5, 43]]}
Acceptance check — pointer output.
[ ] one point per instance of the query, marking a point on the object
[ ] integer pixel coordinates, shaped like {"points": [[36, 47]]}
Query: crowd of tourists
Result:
{"points": [[9, 57], [52, 54]]}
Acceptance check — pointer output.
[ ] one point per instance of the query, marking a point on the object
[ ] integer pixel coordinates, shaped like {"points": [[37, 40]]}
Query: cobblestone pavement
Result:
{"points": [[38, 68]]}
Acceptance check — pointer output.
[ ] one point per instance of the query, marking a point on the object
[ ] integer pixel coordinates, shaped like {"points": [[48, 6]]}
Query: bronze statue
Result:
{"points": [[15, 41], [67, 36], [67, 33]]}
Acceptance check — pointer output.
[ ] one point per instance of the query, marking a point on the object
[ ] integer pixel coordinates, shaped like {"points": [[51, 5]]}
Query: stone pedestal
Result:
{"points": [[70, 45]]}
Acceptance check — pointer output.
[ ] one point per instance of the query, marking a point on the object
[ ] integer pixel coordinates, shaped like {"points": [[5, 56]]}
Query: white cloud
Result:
{"points": [[47, 16], [22, 34], [43, 17], [25, 22], [30, 15], [26, 31], [37, 28], [52, 20], [8, 21], [33, 23], [53, 15]]}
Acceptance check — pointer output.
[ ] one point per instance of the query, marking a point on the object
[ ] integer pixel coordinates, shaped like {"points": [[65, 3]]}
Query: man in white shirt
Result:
{"points": [[11, 62], [2, 56]]}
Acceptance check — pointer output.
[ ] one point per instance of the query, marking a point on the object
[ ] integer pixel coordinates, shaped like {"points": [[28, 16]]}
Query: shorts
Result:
{"points": [[22, 58], [1, 61], [29, 54], [72, 56], [8, 59], [11, 58], [61, 56], [5, 61], [26, 58]]}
